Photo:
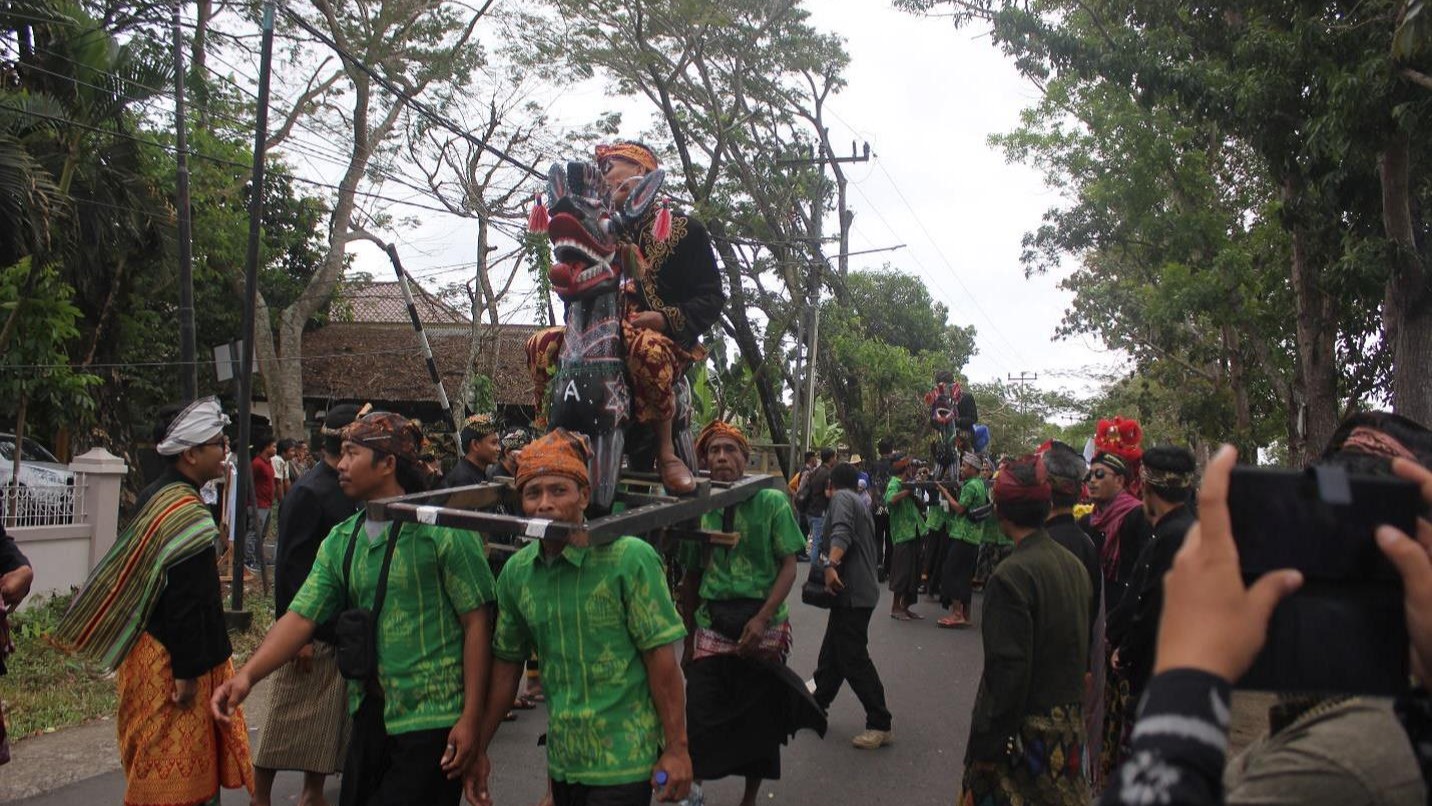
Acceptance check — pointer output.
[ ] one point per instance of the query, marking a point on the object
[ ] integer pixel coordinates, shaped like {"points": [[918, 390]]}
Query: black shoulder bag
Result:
{"points": [[356, 628], [813, 592]]}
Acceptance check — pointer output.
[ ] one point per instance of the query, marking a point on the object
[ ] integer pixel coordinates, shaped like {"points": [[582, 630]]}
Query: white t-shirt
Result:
{"points": [[280, 468]]}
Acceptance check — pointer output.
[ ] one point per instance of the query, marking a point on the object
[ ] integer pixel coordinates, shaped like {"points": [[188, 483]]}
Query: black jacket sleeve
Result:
{"points": [[688, 284], [10, 555], [298, 518], [1180, 744], [189, 617], [1007, 630]]}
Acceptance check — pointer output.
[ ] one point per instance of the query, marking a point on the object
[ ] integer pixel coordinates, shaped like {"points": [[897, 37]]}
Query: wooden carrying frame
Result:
{"points": [[661, 517]]}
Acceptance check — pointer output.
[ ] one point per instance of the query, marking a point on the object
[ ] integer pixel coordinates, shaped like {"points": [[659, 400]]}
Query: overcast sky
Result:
{"points": [[926, 97]]}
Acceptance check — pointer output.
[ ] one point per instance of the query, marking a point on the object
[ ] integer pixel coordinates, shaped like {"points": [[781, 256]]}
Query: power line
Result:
{"points": [[973, 300]]}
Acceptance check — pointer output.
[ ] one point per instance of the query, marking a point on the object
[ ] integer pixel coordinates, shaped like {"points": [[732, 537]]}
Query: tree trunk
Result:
{"points": [[1316, 335], [483, 301], [771, 405], [1407, 308]]}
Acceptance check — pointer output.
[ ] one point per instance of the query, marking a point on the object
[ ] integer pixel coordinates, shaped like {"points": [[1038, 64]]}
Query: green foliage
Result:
{"points": [[825, 430], [35, 370], [483, 395], [881, 347]]}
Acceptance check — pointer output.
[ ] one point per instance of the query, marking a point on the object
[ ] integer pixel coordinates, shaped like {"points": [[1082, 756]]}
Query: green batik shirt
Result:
{"points": [[905, 523], [769, 534], [437, 575], [590, 614], [972, 496]]}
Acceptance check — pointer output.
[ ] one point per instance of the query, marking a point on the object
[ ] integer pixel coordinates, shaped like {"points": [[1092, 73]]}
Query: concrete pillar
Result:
{"points": [[101, 473]]}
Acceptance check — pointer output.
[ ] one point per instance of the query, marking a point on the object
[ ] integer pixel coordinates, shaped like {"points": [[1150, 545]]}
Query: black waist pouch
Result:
{"points": [[356, 628], [729, 616]]}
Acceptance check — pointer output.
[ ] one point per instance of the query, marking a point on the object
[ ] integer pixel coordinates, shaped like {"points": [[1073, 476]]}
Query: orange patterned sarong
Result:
{"points": [[653, 363], [175, 756]]}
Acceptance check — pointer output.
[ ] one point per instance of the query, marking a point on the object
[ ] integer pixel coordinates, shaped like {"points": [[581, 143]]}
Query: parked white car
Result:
{"points": [[40, 497]]}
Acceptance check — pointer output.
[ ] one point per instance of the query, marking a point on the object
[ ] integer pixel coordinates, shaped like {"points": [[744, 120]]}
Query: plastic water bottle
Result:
{"points": [[694, 798]]}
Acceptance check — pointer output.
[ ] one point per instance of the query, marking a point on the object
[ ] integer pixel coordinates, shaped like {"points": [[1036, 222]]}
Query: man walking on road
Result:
{"points": [[1027, 729], [850, 572], [416, 715], [738, 705], [308, 725], [603, 622]]}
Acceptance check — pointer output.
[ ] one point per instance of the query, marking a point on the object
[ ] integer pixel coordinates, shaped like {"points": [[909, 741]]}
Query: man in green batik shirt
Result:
{"points": [[906, 527], [603, 622], [965, 538], [734, 707], [415, 724]]}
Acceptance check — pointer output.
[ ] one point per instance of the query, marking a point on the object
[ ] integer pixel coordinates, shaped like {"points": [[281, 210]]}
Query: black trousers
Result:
{"points": [[959, 574], [845, 658], [882, 541], [937, 545], [402, 769], [566, 794]]}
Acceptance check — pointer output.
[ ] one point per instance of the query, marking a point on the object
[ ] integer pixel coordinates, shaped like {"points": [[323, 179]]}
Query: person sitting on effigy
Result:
{"points": [[675, 298]]}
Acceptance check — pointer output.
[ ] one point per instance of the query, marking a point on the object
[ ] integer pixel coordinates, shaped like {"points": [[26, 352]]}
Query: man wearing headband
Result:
{"points": [[481, 448], [308, 725], [151, 610], [1167, 473], [671, 304], [603, 622], [905, 530], [735, 607], [1027, 728], [965, 535], [415, 723]]}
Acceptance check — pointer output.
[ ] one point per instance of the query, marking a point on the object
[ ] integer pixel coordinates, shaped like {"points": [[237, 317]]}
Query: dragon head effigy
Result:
{"points": [[583, 227], [943, 401]]}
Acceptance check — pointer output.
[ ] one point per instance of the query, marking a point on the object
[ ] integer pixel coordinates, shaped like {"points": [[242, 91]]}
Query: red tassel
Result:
{"points": [[661, 230], [537, 219]]}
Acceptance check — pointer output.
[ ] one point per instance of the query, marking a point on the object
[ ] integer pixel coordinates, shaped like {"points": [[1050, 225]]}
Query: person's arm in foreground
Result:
{"points": [[1211, 630], [285, 638], [476, 660], [668, 693], [506, 677]]}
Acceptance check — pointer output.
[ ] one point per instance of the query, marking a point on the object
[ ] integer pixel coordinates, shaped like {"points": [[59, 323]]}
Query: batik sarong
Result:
{"points": [[1044, 765], [173, 755]]}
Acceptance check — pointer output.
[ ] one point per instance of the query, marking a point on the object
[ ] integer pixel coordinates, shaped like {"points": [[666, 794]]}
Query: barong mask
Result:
{"points": [[584, 227]]}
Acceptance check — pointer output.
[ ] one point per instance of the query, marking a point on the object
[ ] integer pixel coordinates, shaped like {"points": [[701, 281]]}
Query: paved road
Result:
{"points": [[930, 679]]}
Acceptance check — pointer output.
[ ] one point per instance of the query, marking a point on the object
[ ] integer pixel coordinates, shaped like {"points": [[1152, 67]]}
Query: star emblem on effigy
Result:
{"points": [[618, 400]]}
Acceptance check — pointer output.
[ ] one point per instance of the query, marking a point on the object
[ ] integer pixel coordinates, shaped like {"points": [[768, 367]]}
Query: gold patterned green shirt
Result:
{"points": [[769, 534], [590, 614], [437, 575]]}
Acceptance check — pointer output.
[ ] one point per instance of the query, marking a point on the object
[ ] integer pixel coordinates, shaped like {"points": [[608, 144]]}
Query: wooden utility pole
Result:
{"points": [[812, 313]]}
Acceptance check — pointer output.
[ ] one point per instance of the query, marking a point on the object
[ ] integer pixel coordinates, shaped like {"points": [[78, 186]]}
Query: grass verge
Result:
{"points": [[47, 690]]}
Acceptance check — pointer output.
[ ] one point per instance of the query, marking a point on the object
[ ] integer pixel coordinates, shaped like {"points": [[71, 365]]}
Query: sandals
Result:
{"points": [[899, 617], [951, 624], [524, 703]]}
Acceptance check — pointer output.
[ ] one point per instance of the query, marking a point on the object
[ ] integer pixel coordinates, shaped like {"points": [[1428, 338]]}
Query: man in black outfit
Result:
{"points": [[481, 449], [879, 478], [1168, 477], [1066, 470]]}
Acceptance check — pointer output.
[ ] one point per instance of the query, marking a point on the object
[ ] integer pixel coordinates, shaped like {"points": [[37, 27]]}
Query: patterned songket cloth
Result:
{"points": [[1043, 765]]}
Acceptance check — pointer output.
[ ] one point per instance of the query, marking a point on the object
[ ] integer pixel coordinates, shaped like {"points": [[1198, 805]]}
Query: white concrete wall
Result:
{"points": [[62, 556]]}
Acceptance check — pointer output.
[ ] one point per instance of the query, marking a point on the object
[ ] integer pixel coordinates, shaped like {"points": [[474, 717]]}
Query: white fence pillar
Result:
{"points": [[102, 474]]}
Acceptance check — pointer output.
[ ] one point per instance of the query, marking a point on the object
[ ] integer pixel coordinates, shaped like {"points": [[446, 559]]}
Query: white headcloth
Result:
{"points": [[198, 423]]}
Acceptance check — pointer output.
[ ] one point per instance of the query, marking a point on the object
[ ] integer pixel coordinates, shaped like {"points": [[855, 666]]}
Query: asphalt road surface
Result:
{"points": [[930, 678]]}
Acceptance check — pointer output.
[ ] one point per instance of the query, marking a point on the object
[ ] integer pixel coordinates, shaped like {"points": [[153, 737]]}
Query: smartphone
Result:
{"points": [[1345, 630]]}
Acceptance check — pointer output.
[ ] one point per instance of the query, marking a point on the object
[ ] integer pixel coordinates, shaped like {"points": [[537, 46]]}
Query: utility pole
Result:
{"points": [[188, 353], [812, 333], [1022, 380], [245, 474]]}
